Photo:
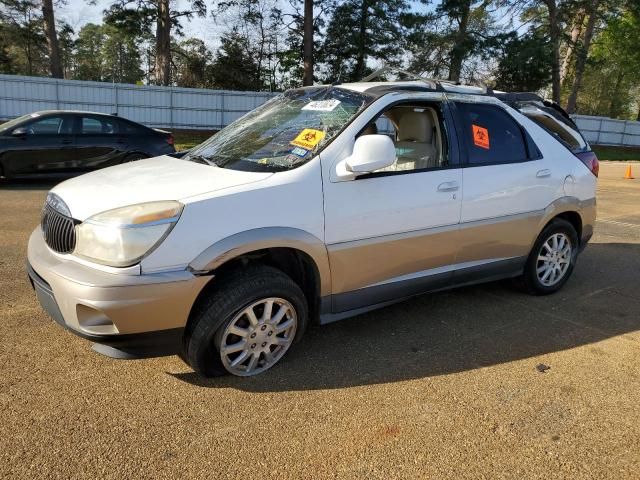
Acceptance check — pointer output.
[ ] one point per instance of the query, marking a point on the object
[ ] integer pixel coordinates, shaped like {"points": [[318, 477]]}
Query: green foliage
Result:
{"points": [[611, 78], [105, 53], [525, 63], [361, 31], [234, 68]]}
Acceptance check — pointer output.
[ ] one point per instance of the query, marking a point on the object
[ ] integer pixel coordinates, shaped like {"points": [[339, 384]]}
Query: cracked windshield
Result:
{"points": [[284, 133]]}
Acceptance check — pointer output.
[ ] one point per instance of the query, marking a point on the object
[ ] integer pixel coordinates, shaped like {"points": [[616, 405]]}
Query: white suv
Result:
{"points": [[321, 204]]}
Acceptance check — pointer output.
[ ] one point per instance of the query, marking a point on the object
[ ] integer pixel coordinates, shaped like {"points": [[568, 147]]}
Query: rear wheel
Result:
{"points": [[552, 259], [247, 325]]}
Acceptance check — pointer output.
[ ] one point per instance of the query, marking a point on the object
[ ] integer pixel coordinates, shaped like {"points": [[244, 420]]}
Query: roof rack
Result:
{"points": [[437, 84]]}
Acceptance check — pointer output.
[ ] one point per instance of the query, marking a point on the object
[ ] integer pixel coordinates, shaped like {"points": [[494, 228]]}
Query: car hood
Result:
{"points": [[160, 178]]}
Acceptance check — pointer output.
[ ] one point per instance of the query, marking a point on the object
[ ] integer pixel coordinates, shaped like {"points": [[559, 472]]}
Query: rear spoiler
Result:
{"points": [[513, 99]]}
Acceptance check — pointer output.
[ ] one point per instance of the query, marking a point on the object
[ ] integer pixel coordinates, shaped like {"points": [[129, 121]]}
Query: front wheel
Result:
{"points": [[247, 325], [552, 259]]}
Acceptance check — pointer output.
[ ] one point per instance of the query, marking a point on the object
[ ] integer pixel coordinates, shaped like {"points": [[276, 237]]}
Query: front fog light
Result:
{"points": [[123, 236]]}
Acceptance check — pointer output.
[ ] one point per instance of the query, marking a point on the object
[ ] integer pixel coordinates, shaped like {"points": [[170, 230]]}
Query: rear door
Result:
{"points": [[99, 142], [507, 184], [47, 148]]}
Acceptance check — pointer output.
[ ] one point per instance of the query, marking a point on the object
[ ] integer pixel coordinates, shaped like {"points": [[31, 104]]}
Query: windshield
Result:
{"points": [[284, 133], [13, 123]]}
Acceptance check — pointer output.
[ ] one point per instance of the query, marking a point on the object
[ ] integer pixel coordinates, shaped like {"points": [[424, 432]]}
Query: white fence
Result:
{"points": [[608, 131], [170, 107], [193, 108]]}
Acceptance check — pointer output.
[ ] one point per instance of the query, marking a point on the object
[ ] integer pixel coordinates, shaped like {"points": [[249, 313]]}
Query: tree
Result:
{"points": [[23, 32], [307, 42], [591, 10], [139, 15], [48, 16], [525, 64], [88, 54], [234, 68], [192, 63], [360, 31], [453, 39], [611, 74]]}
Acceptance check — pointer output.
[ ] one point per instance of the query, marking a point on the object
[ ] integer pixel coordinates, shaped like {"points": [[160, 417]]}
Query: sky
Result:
{"points": [[80, 12]]}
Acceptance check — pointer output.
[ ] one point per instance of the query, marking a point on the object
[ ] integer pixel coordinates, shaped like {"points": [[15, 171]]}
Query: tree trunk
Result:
{"points": [[458, 52], [576, 31], [554, 35], [581, 59], [307, 42], [163, 44], [55, 64], [615, 96], [362, 41]]}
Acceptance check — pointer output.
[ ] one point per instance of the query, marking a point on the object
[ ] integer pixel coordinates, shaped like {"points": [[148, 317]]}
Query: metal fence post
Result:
{"points": [[170, 107], [221, 110], [57, 95], [115, 98]]}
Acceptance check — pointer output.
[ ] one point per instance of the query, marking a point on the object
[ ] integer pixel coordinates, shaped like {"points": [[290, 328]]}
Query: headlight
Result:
{"points": [[121, 237]]}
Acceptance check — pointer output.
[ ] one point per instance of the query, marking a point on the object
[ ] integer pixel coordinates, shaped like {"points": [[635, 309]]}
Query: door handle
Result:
{"points": [[543, 173], [448, 187], [66, 142]]}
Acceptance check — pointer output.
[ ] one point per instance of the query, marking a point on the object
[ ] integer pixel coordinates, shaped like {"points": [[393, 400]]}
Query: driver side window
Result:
{"points": [[45, 126], [418, 133]]}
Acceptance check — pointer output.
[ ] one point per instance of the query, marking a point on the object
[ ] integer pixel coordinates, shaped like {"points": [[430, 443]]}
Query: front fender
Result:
{"points": [[263, 238]]}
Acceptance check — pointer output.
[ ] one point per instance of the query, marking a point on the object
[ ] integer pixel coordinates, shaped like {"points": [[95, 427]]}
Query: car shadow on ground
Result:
{"points": [[459, 330]]}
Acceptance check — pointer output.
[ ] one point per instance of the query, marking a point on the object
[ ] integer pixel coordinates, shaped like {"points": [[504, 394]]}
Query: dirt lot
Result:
{"points": [[443, 386]]}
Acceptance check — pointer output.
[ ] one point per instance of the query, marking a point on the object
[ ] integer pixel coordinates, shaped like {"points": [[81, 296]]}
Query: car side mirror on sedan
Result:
{"points": [[370, 153], [19, 132]]}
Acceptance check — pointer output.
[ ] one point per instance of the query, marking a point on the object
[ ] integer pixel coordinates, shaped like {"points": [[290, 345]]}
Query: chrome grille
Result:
{"points": [[58, 230]]}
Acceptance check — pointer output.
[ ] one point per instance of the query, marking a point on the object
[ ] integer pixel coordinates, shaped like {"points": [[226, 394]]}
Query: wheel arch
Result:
{"points": [[299, 254], [579, 213]]}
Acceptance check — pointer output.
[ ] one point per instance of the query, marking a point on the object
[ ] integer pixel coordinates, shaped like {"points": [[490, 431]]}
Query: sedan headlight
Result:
{"points": [[121, 237]]}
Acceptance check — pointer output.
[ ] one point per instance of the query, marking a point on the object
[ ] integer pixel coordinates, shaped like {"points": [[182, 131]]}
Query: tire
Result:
{"points": [[532, 280], [132, 157], [224, 312]]}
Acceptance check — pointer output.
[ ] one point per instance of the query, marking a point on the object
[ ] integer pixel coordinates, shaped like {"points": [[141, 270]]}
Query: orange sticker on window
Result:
{"points": [[480, 136]]}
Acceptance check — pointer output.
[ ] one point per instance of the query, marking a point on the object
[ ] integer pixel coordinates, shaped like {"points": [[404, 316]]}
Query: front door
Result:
{"points": [[46, 148], [391, 233]]}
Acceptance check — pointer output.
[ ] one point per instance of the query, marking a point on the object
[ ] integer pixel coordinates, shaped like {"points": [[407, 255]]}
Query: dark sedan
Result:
{"points": [[61, 143]]}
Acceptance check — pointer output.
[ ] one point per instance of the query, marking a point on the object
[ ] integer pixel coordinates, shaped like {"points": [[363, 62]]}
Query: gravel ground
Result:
{"points": [[442, 386]]}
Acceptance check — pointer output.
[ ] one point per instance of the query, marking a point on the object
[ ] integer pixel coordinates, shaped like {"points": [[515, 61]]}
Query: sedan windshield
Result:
{"points": [[284, 133], [13, 123]]}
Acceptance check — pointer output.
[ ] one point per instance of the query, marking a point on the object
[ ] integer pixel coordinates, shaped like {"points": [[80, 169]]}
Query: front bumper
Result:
{"points": [[143, 315]]}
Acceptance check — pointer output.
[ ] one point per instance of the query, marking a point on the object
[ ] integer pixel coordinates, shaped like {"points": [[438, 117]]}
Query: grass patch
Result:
{"points": [[617, 153], [186, 139]]}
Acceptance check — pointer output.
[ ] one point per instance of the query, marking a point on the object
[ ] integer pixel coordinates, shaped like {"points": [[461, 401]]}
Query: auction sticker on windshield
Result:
{"points": [[308, 138], [322, 105]]}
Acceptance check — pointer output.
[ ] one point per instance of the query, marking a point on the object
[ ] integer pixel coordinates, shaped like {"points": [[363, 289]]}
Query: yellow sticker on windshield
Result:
{"points": [[308, 138]]}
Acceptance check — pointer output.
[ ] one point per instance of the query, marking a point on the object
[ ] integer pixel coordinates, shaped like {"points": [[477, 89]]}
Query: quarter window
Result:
{"points": [[491, 134], [95, 126]]}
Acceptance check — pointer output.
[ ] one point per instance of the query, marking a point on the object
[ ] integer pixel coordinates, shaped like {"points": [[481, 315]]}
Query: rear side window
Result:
{"points": [[98, 126], [561, 129], [132, 129], [491, 135]]}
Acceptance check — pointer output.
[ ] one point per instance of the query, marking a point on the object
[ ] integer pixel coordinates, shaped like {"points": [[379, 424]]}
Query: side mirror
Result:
{"points": [[19, 132], [370, 153]]}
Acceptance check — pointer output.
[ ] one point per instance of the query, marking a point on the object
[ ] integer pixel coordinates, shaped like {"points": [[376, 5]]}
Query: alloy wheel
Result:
{"points": [[554, 259], [258, 336]]}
